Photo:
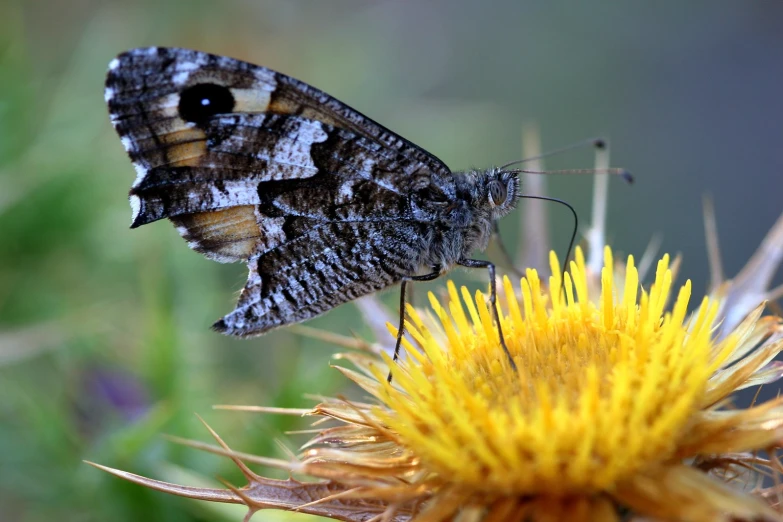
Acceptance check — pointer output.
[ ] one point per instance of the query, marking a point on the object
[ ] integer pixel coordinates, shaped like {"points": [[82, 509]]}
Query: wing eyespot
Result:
{"points": [[198, 103]]}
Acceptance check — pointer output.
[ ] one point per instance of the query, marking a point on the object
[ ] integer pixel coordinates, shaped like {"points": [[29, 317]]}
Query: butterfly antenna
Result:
{"points": [[627, 176], [573, 233], [597, 143]]}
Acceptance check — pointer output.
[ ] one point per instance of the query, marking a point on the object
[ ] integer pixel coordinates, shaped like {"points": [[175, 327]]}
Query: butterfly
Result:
{"points": [[323, 204]]}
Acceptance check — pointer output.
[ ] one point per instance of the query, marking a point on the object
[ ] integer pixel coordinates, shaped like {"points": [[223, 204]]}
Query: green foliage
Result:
{"points": [[104, 338]]}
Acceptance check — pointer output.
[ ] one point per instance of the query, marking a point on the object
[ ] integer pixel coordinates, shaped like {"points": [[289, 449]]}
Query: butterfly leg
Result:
{"points": [[401, 330], [505, 256], [478, 263]]}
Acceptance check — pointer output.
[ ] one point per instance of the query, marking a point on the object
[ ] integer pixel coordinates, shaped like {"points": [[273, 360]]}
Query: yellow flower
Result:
{"points": [[612, 399], [601, 392], [617, 405]]}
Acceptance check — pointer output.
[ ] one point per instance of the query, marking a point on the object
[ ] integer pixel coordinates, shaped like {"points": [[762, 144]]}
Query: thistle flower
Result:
{"points": [[619, 406]]}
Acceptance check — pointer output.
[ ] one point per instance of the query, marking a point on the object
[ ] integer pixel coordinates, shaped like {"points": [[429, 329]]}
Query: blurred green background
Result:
{"points": [[104, 338]]}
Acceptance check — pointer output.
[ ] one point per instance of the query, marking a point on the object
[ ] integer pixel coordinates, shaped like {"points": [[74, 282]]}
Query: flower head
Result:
{"points": [[617, 402], [612, 393], [603, 389]]}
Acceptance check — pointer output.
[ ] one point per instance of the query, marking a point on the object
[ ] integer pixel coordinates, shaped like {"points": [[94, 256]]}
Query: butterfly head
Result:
{"points": [[487, 195]]}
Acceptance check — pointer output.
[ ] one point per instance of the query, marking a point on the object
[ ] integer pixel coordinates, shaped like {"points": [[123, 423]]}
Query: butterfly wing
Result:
{"points": [[333, 262], [253, 165]]}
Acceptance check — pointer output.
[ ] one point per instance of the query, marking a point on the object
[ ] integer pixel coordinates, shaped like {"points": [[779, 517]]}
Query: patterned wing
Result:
{"points": [[329, 264], [234, 154]]}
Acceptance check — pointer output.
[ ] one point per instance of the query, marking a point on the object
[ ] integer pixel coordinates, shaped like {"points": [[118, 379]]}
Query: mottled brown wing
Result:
{"points": [[237, 156], [327, 265]]}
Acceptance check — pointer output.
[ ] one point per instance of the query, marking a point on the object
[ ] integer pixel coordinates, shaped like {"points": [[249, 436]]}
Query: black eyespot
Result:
{"points": [[200, 102], [497, 193]]}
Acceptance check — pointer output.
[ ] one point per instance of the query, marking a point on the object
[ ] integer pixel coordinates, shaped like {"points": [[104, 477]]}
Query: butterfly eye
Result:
{"points": [[497, 193], [200, 102]]}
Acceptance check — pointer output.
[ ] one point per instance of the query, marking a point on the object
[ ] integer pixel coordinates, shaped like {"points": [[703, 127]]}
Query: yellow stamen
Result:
{"points": [[605, 385]]}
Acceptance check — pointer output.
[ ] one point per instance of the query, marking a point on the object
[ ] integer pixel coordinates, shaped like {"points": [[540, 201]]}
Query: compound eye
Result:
{"points": [[198, 103], [497, 193]]}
